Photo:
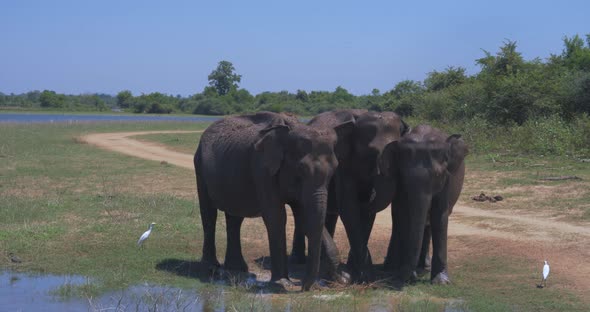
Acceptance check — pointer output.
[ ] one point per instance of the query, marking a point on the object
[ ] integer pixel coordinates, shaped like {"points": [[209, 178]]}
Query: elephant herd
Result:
{"points": [[350, 164]]}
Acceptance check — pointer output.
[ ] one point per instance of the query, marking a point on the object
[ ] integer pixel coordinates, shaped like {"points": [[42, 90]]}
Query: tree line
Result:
{"points": [[507, 90]]}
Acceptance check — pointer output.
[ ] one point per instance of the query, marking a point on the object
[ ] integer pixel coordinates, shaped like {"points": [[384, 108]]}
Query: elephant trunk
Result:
{"points": [[315, 205], [412, 222]]}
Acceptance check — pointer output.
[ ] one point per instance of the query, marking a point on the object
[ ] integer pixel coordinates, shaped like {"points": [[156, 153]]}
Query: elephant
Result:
{"points": [[426, 167], [251, 166], [356, 183]]}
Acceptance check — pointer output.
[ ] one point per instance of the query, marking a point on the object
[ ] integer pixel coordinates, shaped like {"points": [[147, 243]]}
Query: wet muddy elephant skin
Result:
{"points": [[428, 166], [251, 166]]}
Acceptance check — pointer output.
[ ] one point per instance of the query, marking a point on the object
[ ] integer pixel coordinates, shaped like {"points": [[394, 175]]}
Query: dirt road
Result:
{"points": [[120, 142], [536, 237]]}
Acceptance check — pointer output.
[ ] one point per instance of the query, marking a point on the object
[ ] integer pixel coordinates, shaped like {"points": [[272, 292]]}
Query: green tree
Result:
{"points": [[506, 62], [442, 80], [52, 99], [575, 55], [302, 96], [125, 99], [342, 95], [223, 78], [98, 103], [405, 88]]}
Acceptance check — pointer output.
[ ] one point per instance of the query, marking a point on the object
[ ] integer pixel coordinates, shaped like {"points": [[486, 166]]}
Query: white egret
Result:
{"points": [[145, 235], [545, 274]]}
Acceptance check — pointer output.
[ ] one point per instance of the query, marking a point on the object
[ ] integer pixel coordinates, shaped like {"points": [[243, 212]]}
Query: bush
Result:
{"points": [[435, 106], [581, 134], [546, 136], [157, 108]]}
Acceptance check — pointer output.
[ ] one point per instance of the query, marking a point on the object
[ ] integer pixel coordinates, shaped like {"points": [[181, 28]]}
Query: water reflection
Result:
{"points": [[30, 292]]}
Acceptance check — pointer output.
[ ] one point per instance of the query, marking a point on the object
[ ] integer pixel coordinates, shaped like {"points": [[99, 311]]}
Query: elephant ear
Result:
{"points": [[388, 158], [457, 152], [271, 148], [343, 132], [345, 129]]}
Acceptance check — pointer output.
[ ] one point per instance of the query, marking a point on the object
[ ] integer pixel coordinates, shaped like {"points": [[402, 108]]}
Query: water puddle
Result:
{"points": [[25, 292], [37, 292], [31, 292]]}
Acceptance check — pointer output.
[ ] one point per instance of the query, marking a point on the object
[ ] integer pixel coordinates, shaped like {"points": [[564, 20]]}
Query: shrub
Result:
{"points": [[546, 136], [581, 134]]}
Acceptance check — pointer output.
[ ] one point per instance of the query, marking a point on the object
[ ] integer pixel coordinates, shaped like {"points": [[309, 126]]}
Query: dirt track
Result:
{"points": [[537, 237]]}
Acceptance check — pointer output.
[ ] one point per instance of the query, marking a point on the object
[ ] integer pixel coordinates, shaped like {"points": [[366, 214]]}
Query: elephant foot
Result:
{"points": [[421, 271], [210, 263], [315, 285], [309, 284], [281, 285], [344, 277], [297, 259], [237, 277], [397, 284], [413, 278], [388, 265], [364, 277], [235, 266], [441, 278], [340, 278]]}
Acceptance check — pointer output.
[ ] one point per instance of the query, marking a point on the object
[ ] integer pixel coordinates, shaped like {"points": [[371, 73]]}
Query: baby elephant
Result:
{"points": [[251, 166]]}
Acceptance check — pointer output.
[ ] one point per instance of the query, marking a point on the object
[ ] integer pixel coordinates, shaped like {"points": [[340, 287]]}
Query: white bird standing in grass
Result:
{"points": [[545, 274], [145, 235]]}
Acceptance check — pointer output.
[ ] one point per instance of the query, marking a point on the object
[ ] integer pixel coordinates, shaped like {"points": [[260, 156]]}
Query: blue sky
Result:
{"points": [[171, 46]]}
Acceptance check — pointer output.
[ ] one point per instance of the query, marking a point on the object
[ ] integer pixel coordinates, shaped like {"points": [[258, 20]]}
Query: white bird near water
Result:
{"points": [[545, 274], [145, 235]]}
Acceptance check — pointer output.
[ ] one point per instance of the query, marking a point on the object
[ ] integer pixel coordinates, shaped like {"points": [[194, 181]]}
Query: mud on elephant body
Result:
{"points": [[428, 167], [251, 166], [356, 184]]}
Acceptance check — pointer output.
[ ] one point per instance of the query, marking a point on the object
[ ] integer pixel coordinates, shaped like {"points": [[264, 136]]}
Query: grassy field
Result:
{"points": [[70, 208]]}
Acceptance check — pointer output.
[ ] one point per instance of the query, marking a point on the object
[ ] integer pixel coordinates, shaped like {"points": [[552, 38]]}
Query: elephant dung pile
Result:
{"points": [[482, 197]]}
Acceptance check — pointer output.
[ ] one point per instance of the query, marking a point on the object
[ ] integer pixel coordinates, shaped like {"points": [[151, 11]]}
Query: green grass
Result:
{"points": [[181, 142], [65, 211], [70, 208], [499, 283], [518, 179], [58, 111]]}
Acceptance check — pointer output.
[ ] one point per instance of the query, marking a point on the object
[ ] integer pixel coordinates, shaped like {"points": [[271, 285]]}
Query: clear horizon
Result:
{"points": [[146, 46]]}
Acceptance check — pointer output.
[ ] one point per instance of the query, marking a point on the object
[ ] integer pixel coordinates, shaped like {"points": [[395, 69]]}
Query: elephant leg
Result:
{"points": [[439, 221], [298, 252], [409, 219], [316, 236], [332, 210], [275, 221], [331, 220], [361, 266], [209, 220], [331, 258], [367, 221], [424, 261], [234, 260], [393, 257]]}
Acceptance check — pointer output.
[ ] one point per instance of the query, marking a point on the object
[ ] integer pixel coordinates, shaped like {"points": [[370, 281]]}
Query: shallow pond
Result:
{"points": [[31, 292]]}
